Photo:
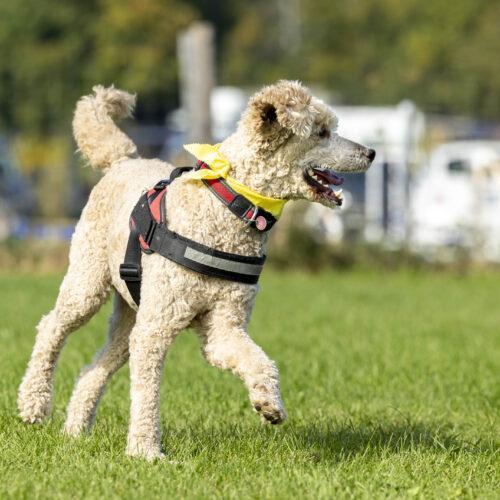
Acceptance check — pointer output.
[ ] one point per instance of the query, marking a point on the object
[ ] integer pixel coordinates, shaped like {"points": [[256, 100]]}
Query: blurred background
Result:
{"points": [[419, 81]]}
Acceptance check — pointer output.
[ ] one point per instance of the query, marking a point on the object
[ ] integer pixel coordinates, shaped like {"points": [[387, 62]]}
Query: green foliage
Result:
{"points": [[443, 55], [297, 249], [52, 52], [135, 48], [390, 381], [43, 45]]}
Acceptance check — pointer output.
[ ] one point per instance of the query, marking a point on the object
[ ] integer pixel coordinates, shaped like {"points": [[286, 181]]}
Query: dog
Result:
{"points": [[285, 148]]}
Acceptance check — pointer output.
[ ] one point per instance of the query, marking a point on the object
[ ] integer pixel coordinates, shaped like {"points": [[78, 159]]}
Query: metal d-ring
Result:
{"points": [[254, 216]]}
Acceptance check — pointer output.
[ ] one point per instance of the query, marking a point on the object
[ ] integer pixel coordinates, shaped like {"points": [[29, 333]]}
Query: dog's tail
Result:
{"points": [[99, 139]]}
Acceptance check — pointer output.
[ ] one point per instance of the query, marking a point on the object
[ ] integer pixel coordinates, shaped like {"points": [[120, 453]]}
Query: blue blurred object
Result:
{"points": [[22, 228], [15, 190]]}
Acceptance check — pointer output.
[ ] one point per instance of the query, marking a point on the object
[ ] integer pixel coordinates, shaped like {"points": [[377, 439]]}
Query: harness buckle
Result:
{"points": [[161, 185], [177, 172], [130, 271]]}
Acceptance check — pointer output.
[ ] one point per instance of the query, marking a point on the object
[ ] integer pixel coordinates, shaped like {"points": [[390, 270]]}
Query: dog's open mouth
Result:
{"points": [[323, 181]]}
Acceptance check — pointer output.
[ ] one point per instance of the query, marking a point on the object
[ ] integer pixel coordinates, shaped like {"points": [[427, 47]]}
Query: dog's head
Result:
{"points": [[286, 146]]}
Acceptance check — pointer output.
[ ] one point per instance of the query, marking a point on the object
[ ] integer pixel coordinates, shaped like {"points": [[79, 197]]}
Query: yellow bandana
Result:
{"points": [[220, 167]]}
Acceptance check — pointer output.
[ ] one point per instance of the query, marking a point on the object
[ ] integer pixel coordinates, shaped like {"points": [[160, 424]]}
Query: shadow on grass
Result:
{"points": [[347, 441], [330, 442], [320, 443]]}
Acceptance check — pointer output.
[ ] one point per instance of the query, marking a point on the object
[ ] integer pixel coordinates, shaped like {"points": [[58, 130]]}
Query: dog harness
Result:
{"points": [[149, 234]]}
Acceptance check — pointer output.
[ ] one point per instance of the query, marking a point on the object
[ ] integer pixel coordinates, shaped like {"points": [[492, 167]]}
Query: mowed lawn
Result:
{"points": [[391, 382]]}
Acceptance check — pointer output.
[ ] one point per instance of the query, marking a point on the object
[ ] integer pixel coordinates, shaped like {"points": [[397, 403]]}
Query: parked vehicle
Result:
{"points": [[456, 200]]}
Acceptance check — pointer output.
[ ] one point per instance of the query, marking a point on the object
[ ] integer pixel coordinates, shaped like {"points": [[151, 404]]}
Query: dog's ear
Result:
{"points": [[283, 107]]}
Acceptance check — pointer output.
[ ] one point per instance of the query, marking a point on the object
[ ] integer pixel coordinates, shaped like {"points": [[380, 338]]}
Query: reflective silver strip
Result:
{"points": [[224, 264]]}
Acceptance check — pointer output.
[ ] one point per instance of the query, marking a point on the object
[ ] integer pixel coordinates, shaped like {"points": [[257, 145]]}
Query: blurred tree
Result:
{"points": [[443, 55], [43, 47], [52, 52], [252, 53], [135, 46], [223, 14], [479, 64]]}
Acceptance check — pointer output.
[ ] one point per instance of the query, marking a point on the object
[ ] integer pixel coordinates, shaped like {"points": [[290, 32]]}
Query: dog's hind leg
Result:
{"points": [[227, 345], [83, 291], [90, 386]]}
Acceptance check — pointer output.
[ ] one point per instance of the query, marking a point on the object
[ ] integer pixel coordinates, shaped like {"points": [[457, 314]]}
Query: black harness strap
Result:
{"points": [[130, 270], [149, 233], [203, 259]]}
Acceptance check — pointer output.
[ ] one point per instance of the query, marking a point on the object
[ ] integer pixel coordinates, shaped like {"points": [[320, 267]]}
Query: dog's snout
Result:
{"points": [[370, 154]]}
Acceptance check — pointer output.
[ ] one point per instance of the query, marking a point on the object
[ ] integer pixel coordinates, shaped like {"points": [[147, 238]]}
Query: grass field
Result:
{"points": [[391, 382]]}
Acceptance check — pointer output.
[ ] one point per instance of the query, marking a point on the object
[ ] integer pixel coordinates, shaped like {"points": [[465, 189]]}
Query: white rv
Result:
{"points": [[456, 201]]}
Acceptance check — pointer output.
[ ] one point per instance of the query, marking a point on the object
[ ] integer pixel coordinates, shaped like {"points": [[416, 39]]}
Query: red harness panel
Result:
{"points": [[156, 202]]}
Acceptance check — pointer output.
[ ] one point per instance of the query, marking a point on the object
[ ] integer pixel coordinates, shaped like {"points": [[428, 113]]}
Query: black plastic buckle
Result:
{"points": [[177, 172], [240, 206], [161, 185], [130, 272]]}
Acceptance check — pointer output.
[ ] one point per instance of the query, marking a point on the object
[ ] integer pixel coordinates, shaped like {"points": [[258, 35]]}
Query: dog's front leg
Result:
{"points": [[228, 346], [150, 339], [147, 353]]}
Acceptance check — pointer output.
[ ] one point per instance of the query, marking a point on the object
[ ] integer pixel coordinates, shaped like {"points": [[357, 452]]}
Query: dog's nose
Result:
{"points": [[370, 154]]}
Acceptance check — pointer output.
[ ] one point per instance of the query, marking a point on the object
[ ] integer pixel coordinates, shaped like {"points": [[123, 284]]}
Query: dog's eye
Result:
{"points": [[324, 133]]}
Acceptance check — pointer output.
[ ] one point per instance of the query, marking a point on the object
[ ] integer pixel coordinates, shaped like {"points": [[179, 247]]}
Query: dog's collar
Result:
{"points": [[239, 205], [219, 167]]}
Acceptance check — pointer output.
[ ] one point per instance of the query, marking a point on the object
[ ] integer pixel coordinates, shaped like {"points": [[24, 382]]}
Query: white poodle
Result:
{"points": [[285, 148]]}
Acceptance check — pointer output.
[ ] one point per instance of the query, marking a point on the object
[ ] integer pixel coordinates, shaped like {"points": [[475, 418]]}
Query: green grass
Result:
{"points": [[391, 382]]}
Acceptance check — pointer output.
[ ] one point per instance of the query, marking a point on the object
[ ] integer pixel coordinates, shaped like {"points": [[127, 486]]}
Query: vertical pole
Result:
{"points": [[196, 56], [374, 197], [289, 25]]}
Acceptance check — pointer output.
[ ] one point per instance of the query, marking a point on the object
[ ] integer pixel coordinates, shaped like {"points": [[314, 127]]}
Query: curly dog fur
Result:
{"points": [[283, 131]]}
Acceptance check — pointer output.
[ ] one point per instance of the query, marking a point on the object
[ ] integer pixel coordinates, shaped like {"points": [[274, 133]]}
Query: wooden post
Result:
{"points": [[196, 56], [289, 25]]}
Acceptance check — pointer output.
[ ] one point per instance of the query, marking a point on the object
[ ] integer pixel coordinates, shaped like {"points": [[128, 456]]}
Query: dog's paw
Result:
{"points": [[74, 430], [273, 413], [266, 399], [144, 451], [149, 456]]}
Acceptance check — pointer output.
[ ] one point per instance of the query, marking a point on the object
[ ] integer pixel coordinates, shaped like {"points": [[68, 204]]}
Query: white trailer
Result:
{"points": [[456, 201]]}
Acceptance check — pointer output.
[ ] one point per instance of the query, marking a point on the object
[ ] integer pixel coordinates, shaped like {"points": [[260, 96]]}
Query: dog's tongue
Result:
{"points": [[329, 176], [336, 180]]}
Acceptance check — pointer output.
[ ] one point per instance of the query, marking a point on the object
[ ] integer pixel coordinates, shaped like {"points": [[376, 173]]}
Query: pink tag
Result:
{"points": [[260, 223]]}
